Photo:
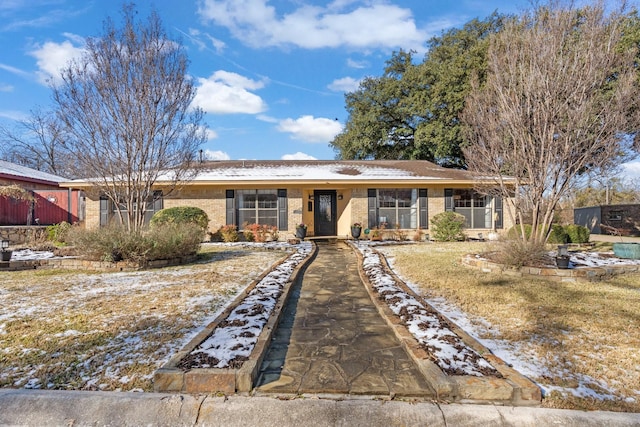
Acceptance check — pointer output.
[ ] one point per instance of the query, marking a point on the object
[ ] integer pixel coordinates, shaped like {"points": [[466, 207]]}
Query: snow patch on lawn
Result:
{"points": [[123, 359], [515, 354]]}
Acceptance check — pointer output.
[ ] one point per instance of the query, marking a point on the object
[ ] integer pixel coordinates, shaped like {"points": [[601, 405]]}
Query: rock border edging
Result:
{"points": [[514, 389], [171, 379], [591, 274]]}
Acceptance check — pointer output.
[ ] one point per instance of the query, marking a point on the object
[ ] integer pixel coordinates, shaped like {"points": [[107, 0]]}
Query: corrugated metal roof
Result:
{"points": [[27, 174]]}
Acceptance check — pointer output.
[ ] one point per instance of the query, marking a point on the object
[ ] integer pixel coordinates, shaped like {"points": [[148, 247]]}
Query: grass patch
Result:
{"points": [[584, 336], [111, 331]]}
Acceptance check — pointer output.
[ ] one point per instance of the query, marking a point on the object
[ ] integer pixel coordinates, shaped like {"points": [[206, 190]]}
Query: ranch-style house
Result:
{"points": [[326, 195]]}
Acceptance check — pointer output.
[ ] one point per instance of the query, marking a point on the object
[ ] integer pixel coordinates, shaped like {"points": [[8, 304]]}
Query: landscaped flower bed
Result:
{"points": [[235, 337], [226, 355], [456, 365], [430, 329]]}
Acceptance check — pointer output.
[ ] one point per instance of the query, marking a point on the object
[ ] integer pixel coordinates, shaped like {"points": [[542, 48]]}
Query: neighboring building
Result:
{"points": [[52, 203], [328, 196], [610, 219]]}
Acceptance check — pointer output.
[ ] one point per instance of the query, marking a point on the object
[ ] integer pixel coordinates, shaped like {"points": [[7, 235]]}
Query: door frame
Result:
{"points": [[334, 211]]}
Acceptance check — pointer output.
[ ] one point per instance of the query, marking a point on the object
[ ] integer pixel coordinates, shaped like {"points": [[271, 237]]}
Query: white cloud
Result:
{"points": [[298, 156], [14, 115], [195, 35], [211, 134], [349, 24], [6, 88], [216, 155], [311, 129], [13, 70], [345, 84], [351, 63], [53, 57], [632, 169], [228, 93], [217, 44], [267, 119]]}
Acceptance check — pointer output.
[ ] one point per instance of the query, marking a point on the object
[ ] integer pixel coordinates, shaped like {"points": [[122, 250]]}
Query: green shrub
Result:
{"points": [[57, 233], [115, 243], [173, 241], [448, 227], [515, 232], [229, 233], [577, 233], [558, 235], [181, 215]]}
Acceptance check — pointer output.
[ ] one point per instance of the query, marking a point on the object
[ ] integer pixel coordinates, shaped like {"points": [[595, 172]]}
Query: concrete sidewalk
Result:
{"points": [[77, 408]]}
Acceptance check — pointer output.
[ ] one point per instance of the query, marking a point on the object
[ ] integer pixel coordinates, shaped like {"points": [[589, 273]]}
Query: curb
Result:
{"points": [[78, 408]]}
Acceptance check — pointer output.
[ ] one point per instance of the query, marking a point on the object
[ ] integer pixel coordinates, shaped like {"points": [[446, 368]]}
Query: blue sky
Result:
{"points": [[271, 75]]}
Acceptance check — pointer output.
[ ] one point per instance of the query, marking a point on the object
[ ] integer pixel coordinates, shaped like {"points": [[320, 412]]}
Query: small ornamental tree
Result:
{"points": [[448, 227], [559, 103], [126, 113]]}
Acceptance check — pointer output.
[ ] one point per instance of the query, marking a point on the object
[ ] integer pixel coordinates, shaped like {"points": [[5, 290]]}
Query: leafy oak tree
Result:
{"points": [[559, 103], [412, 111], [126, 112]]}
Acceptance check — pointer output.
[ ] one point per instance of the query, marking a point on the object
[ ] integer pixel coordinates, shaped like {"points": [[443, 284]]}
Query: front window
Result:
{"points": [[397, 207], [614, 216], [475, 207], [258, 207], [109, 210]]}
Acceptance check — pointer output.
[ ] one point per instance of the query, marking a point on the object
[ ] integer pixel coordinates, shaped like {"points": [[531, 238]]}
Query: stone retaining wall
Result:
{"points": [[79, 264], [590, 274], [20, 234]]}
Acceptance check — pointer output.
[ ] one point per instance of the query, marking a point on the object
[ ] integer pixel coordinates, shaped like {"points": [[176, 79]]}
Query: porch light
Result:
{"points": [[310, 196], [5, 245], [339, 196]]}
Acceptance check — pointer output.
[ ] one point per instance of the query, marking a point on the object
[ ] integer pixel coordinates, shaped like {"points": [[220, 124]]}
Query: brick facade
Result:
{"points": [[352, 206]]}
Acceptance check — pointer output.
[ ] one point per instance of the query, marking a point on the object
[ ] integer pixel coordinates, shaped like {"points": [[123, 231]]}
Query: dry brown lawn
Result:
{"points": [[582, 337], [111, 331]]}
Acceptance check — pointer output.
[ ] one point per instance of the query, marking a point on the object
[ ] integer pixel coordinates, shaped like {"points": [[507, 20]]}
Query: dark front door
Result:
{"points": [[325, 213]]}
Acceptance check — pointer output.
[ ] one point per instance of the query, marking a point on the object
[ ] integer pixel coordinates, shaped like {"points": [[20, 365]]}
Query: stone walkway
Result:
{"points": [[332, 340]]}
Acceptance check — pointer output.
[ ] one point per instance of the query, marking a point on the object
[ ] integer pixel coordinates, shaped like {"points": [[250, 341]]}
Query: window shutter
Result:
{"points": [[448, 199], [499, 215], [422, 203], [231, 208], [373, 207], [104, 211], [283, 210], [158, 201]]}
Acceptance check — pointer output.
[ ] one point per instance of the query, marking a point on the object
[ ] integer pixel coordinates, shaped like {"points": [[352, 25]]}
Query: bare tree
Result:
{"points": [[559, 102], [127, 115], [37, 142]]}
